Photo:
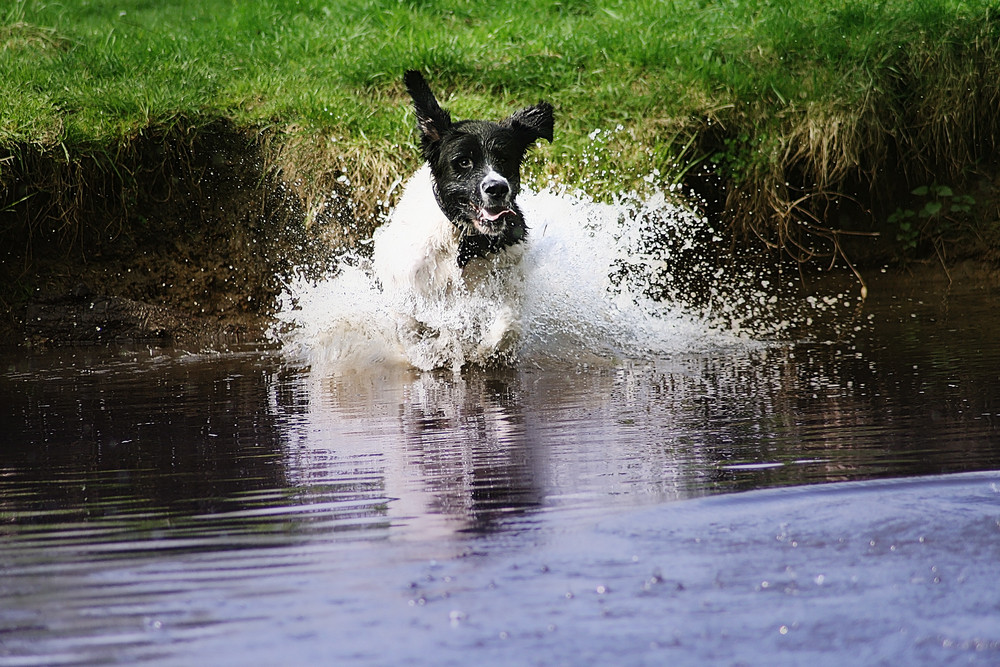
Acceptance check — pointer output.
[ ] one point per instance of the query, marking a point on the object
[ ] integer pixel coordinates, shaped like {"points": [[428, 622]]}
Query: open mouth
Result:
{"points": [[490, 222]]}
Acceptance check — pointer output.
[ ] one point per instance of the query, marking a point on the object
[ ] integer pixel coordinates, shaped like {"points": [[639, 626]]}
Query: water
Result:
{"points": [[585, 286], [738, 480]]}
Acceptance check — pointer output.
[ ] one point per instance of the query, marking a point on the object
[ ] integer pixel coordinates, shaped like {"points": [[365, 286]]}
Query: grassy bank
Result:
{"points": [[797, 119]]}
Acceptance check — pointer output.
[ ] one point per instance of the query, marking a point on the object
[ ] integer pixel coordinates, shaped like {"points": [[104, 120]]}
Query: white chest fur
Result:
{"points": [[416, 262], [416, 252]]}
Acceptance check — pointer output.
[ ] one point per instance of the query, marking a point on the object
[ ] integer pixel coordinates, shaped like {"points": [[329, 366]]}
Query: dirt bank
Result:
{"points": [[181, 237], [186, 236]]}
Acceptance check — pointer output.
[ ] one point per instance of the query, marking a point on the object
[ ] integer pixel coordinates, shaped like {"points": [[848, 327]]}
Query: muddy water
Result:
{"points": [[242, 508]]}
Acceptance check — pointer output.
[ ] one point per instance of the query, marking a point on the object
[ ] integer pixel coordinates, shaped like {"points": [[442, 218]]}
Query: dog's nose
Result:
{"points": [[495, 186]]}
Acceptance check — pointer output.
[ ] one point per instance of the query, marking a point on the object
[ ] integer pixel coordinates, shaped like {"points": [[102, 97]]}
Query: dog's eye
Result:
{"points": [[464, 163]]}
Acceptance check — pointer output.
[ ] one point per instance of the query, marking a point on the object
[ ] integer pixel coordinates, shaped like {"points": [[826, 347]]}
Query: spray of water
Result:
{"points": [[601, 282]]}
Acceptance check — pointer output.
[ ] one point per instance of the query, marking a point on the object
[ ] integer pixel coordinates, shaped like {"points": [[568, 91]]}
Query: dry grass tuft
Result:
{"points": [[22, 36]]}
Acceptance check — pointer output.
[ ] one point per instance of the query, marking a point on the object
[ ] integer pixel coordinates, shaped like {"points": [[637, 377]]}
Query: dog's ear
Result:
{"points": [[432, 120], [532, 123]]}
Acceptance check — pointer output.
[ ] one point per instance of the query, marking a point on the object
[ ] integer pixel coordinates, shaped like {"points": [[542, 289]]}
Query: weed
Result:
{"points": [[940, 213]]}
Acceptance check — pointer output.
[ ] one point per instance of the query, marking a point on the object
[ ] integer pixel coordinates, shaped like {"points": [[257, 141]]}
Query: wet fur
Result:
{"points": [[458, 220]]}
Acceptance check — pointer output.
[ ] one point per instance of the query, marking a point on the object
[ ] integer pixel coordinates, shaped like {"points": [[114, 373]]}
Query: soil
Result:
{"points": [[185, 239]]}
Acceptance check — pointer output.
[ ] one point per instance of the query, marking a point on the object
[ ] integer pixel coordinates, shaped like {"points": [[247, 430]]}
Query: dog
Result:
{"points": [[457, 231]]}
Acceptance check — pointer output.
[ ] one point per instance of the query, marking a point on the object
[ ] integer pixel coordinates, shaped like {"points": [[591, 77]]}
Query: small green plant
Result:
{"points": [[942, 209], [743, 155]]}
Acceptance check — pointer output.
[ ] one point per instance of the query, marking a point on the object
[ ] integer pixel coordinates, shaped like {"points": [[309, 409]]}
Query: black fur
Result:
{"points": [[476, 168]]}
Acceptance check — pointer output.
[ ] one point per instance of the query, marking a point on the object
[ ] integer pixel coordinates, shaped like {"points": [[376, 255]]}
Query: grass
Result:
{"points": [[791, 103]]}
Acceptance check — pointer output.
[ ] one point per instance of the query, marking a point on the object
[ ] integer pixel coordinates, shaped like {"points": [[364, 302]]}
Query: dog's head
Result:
{"points": [[476, 165]]}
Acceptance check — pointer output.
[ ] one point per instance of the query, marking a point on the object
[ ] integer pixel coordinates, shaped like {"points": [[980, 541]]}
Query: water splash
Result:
{"points": [[602, 282]]}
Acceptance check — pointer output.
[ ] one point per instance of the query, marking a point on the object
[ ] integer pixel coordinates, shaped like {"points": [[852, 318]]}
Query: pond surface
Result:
{"points": [[828, 500]]}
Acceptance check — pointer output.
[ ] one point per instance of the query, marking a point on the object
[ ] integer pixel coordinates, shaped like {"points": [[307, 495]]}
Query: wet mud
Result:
{"points": [[181, 237]]}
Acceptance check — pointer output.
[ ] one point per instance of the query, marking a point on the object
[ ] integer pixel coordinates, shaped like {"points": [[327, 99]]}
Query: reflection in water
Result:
{"points": [[151, 504], [463, 451], [435, 453], [449, 451], [123, 435]]}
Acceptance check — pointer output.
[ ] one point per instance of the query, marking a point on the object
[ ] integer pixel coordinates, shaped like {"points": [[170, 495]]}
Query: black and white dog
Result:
{"points": [[458, 223]]}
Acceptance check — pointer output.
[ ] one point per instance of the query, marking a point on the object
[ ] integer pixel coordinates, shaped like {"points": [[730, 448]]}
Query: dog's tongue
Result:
{"points": [[493, 217]]}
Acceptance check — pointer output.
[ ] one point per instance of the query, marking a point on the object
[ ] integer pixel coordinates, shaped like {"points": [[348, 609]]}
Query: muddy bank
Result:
{"points": [[186, 236], [182, 237]]}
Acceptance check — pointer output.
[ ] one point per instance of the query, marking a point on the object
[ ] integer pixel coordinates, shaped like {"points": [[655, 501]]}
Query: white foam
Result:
{"points": [[586, 268]]}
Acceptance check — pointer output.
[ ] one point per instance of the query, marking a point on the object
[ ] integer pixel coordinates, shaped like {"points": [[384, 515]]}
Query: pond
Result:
{"points": [[827, 496]]}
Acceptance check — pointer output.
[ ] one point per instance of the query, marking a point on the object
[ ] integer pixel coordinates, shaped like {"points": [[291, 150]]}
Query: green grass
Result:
{"points": [[809, 92]]}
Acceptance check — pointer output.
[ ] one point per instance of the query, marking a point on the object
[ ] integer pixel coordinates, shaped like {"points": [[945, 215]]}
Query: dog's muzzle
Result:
{"points": [[495, 192]]}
